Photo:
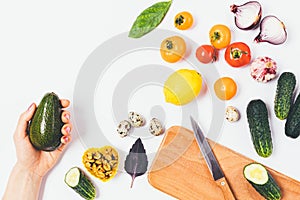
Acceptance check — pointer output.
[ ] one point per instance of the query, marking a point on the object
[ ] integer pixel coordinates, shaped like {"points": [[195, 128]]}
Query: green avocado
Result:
{"points": [[45, 126]]}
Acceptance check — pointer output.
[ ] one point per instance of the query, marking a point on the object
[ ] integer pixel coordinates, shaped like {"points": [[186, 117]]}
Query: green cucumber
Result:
{"points": [[78, 181], [45, 126], [284, 94], [292, 124], [258, 121], [262, 181]]}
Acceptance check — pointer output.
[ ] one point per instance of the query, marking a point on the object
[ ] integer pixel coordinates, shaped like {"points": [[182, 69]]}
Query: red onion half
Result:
{"points": [[247, 16], [272, 30]]}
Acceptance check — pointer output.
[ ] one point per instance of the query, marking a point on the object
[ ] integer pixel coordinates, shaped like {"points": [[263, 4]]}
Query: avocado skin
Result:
{"points": [[45, 126]]}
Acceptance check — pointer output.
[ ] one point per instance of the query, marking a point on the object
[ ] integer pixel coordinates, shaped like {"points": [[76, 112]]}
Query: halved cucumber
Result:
{"points": [[262, 181], [76, 179]]}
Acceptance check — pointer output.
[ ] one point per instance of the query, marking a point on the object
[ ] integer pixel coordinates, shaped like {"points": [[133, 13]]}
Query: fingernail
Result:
{"points": [[65, 139], [68, 129], [67, 116], [30, 107]]}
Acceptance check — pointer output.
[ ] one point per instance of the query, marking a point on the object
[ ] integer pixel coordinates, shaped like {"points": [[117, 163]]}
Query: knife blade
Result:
{"points": [[211, 161]]}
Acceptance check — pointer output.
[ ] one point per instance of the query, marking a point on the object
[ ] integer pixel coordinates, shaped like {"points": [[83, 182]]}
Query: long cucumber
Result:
{"points": [[258, 121], [292, 124], [284, 94]]}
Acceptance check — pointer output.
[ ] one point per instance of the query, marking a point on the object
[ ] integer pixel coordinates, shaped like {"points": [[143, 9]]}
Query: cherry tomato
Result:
{"points": [[172, 49], [220, 36], [207, 54], [225, 88], [183, 20], [238, 54]]}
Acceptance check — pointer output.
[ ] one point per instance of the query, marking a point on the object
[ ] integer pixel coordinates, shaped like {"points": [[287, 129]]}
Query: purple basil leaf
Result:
{"points": [[136, 162]]}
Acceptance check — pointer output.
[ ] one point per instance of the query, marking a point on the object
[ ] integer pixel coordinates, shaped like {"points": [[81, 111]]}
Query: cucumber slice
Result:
{"points": [[72, 177], [77, 180], [262, 181], [256, 173]]}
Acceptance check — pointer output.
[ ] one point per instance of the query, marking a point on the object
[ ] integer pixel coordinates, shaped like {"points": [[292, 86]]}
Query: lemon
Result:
{"points": [[182, 86]]}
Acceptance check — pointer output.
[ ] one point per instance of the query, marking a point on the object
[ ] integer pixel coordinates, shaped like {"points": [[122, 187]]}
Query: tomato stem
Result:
{"points": [[179, 20], [169, 44], [237, 53], [216, 36], [215, 55]]}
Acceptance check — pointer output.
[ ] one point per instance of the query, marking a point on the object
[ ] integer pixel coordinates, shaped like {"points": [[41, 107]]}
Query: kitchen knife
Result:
{"points": [[212, 162]]}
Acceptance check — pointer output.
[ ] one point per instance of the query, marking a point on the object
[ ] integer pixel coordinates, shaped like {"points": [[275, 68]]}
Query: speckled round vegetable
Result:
{"points": [[263, 69]]}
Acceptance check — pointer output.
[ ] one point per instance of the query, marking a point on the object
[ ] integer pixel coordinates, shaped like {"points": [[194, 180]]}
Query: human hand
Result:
{"points": [[35, 161]]}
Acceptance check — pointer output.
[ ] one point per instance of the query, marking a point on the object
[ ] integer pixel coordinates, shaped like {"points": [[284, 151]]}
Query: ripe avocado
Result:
{"points": [[45, 126]]}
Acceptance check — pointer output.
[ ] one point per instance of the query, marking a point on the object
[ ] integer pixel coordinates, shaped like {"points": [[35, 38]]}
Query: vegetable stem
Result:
{"points": [[169, 44], [216, 36], [179, 20], [237, 53], [132, 180]]}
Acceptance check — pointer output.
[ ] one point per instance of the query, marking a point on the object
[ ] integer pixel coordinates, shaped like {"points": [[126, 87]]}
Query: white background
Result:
{"points": [[43, 45]]}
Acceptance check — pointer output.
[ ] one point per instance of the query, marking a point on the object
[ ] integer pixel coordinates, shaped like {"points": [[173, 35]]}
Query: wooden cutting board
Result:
{"points": [[179, 170]]}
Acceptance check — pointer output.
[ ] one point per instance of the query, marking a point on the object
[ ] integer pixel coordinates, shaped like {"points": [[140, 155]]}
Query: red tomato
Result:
{"points": [[238, 54], [206, 54]]}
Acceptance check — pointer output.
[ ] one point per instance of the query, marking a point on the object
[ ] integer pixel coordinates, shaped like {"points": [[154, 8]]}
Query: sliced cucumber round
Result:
{"points": [[76, 179], [256, 173], [72, 177]]}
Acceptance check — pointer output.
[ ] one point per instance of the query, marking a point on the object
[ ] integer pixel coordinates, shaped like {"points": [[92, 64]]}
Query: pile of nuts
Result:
{"points": [[101, 162], [136, 120]]}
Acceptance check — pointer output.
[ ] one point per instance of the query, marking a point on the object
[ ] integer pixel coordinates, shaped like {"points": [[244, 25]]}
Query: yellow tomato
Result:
{"points": [[172, 49], [220, 36], [225, 88], [183, 20]]}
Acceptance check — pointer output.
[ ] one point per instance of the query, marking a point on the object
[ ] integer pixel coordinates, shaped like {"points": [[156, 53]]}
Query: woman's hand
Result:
{"points": [[32, 165], [28, 158]]}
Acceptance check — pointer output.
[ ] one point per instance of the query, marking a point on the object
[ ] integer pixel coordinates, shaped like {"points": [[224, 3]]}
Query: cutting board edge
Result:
{"points": [[158, 188]]}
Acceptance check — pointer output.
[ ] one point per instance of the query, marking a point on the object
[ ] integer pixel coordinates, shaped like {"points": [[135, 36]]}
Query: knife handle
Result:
{"points": [[223, 184]]}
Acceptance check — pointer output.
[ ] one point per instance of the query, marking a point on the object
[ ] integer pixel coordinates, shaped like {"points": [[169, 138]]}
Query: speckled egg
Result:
{"points": [[136, 119], [124, 128], [232, 114]]}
